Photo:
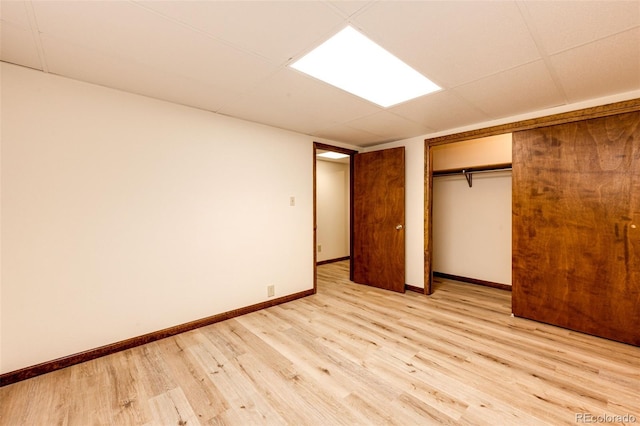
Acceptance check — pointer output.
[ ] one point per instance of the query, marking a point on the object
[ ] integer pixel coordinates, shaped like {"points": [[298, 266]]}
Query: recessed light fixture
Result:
{"points": [[352, 62], [333, 155]]}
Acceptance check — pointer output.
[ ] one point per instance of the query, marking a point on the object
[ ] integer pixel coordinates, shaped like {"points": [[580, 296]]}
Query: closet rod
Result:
{"points": [[477, 169], [469, 171]]}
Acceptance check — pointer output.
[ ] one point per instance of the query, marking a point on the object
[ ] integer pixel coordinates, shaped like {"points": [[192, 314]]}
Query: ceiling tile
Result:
{"points": [[522, 89], [295, 101], [18, 46], [277, 30], [440, 111], [602, 68], [348, 7], [15, 12], [452, 42], [561, 25], [347, 134], [139, 35], [389, 126], [88, 65]]}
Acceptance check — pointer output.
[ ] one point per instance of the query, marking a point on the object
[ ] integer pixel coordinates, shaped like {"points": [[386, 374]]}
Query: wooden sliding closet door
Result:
{"points": [[576, 226]]}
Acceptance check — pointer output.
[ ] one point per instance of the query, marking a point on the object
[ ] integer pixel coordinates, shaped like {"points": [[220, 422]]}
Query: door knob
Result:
{"points": [[398, 227]]}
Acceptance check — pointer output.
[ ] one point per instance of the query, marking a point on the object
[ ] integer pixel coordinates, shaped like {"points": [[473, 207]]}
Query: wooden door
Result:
{"points": [[576, 226], [378, 219]]}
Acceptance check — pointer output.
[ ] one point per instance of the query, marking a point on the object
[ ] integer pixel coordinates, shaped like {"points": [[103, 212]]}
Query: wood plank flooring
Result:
{"points": [[349, 355]]}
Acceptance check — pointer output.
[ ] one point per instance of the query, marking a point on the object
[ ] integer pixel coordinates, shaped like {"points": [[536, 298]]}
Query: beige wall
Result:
{"points": [[332, 198], [123, 215]]}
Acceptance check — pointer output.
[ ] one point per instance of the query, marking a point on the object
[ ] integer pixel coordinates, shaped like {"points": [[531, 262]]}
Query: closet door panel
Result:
{"points": [[576, 226]]}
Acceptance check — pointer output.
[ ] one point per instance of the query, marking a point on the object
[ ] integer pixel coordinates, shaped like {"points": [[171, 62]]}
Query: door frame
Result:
{"points": [[351, 153], [549, 120]]}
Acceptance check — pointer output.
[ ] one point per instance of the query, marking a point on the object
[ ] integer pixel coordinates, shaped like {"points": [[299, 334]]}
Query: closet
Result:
{"points": [[472, 211], [575, 218]]}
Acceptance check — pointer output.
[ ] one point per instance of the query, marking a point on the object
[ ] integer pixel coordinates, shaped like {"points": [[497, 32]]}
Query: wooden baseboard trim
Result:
{"points": [[67, 361], [414, 288], [339, 259], [472, 281]]}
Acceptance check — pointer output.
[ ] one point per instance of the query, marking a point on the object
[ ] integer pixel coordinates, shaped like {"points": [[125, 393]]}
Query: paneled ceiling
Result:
{"points": [[493, 59]]}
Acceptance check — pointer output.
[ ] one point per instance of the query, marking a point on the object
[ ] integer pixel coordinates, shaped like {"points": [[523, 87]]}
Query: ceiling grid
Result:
{"points": [[492, 59]]}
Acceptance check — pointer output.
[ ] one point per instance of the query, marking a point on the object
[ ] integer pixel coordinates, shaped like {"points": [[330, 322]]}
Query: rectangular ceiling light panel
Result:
{"points": [[352, 62], [333, 155]]}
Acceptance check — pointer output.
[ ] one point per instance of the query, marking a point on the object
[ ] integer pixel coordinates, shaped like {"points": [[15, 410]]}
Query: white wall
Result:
{"points": [[123, 215], [332, 208], [414, 207]]}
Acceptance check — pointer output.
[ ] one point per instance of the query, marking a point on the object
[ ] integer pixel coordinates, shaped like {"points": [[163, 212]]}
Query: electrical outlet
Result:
{"points": [[319, 248], [292, 201], [271, 290]]}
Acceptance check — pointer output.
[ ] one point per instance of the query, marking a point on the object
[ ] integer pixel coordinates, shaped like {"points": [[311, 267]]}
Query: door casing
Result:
{"points": [[350, 152]]}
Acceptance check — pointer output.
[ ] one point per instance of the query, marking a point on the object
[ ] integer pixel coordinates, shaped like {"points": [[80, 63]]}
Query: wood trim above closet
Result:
{"points": [[550, 120]]}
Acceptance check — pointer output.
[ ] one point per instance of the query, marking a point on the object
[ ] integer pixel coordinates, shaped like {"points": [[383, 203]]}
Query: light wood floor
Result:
{"points": [[348, 355]]}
